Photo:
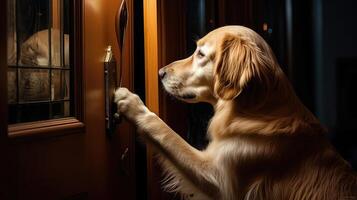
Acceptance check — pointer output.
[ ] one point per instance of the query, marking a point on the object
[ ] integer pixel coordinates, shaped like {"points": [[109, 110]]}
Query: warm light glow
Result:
{"points": [[265, 27]]}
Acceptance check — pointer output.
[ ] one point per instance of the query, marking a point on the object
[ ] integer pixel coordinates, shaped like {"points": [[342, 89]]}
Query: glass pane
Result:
{"points": [[12, 85], [60, 85], [32, 25], [39, 73], [60, 109], [59, 34], [65, 28], [56, 39], [34, 85], [11, 33], [28, 112]]}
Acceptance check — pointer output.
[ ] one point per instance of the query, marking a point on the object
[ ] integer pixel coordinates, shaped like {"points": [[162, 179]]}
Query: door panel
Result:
{"points": [[47, 170], [112, 177], [73, 158]]}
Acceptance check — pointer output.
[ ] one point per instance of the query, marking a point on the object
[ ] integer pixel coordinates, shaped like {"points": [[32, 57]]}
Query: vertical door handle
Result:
{"points": [[121, 21], [112, 75], [110, 82]]}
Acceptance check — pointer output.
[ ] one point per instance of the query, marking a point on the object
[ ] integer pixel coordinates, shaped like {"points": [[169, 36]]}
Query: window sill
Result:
{"points": [[53, 127]]}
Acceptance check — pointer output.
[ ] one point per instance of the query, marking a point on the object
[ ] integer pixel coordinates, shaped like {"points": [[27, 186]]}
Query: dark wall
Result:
{"points": [[335, 33], [336, 39]]}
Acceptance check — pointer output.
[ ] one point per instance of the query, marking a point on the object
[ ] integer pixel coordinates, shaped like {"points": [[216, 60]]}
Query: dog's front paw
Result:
{"points": [[129, 104]]}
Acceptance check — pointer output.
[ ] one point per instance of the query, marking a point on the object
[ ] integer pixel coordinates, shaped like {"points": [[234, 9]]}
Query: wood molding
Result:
{"points": [[6, 185], [164, 42], [56, 23], [46, 128], [78, 60], [3, 71], [151, 53]]}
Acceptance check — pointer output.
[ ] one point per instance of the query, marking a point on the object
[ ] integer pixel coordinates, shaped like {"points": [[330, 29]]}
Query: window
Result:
{"points": [[40, 75]]}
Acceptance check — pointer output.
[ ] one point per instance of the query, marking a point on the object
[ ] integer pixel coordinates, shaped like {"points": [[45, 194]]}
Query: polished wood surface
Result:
{"points": [[72, 158], [111, 177], [151, 54], [6, 182], [151, 41], [46, 128]]}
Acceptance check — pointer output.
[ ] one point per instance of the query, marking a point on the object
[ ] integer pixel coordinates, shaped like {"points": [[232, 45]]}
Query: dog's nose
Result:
{"points": [[162, 73]]}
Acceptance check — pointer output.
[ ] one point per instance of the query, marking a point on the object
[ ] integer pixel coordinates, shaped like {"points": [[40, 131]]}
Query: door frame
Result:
{"points": [[152, 63], [4, 176], [164, 42]]}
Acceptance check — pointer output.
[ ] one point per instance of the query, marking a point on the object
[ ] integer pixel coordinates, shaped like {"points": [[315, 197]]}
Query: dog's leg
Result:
{"points": [[190, 162]]}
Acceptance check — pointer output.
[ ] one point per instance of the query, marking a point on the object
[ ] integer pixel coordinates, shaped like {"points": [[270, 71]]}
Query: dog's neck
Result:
{"points": [[278, 112]]}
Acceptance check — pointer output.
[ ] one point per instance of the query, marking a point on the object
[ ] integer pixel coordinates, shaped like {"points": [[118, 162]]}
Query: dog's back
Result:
{"points": [[310, 170]]}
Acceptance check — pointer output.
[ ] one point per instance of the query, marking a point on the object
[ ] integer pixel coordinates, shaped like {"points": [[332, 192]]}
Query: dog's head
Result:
{"points": [[227, 61]]}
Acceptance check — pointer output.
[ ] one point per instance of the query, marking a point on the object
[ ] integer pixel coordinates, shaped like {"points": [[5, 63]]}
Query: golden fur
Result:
{"points": [[264, 143]]}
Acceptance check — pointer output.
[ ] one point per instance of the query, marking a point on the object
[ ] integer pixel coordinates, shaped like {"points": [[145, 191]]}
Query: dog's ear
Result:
{"points": [[238, 61]]}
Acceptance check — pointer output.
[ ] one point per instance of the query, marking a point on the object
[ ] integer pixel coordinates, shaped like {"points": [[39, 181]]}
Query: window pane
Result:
{"points": [[60, 109], [28, 112], [12, 85], [34, 85], [11, 34], [60, 85]]}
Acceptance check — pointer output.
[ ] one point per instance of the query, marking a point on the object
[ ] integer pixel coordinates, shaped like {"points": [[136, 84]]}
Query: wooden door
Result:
{"points": [[72, 157]]}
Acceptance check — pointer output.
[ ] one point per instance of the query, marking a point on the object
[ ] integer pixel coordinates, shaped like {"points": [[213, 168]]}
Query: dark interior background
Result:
{"points": [[315, 43]]}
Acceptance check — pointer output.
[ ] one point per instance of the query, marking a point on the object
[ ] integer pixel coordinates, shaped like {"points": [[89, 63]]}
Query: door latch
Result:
{"points": [[110, 78]]}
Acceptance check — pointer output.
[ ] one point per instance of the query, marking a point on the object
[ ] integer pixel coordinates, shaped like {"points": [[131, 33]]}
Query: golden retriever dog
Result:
{"points": [[264, 143]]}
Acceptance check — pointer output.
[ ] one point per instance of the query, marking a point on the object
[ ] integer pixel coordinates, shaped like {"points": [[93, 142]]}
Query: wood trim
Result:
{"points": [[56, 14], [151, 53], [163, 25], [49, 128], [3, 71], [78, 60], [6, 183]]}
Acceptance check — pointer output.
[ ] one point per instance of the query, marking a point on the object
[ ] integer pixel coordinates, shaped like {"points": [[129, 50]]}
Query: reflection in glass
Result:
{"points": [[34, 85], [60, 109], [11, 33], [60, 85], [28, 112], [12, 89], [39, 71]]}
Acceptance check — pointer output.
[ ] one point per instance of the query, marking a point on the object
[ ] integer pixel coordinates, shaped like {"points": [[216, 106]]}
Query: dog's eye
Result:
{"points": [[200, 54]]}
